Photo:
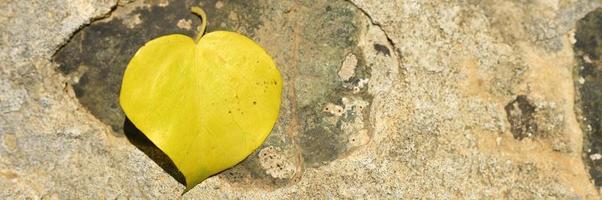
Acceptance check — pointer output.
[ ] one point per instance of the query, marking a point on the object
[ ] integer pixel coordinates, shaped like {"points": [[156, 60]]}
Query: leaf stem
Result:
{"points": [[201, 13]]}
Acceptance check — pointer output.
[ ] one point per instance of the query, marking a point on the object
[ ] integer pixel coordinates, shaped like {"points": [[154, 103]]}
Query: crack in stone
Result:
{"points": [[396, 51], [83, 26]]}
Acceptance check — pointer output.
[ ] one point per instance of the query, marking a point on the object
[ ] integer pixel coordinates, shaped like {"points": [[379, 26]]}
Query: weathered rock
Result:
{"points": [[589, 83], [445, 99]]}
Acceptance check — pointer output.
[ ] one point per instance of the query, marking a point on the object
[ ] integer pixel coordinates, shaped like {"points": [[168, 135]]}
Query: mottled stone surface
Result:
{"points": [[445, 99]]}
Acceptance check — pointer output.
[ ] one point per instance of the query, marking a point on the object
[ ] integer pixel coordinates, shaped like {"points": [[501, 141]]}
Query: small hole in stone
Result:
{"points": [[520, 114]]}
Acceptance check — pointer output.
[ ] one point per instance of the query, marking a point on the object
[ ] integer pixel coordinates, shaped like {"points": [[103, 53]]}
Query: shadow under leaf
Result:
{"points": [[138, 139]]}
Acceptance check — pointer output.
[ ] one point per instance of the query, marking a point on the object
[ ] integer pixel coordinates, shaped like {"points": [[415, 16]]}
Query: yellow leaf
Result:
{"points": [[207, 104]]}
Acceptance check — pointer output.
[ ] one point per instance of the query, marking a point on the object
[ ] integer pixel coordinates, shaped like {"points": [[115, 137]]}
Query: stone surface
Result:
{"points": [[589, 83], [447, 99]]}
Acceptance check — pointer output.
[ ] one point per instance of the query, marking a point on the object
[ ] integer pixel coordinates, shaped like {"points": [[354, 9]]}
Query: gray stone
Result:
{"points": [[421, 116]]}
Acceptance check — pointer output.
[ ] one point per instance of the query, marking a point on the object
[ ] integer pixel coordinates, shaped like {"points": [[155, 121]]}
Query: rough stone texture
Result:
{"points": [[440, 91], [588, 77]]}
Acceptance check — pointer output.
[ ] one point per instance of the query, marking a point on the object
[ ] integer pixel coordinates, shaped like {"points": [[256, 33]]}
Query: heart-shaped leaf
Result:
{"points": [[207, 104]]}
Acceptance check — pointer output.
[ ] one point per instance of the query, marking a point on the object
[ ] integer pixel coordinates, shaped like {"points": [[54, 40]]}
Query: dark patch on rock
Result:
{"points": [[382, 49], [242, 16], [321, 145], [589, 103], [334, 25], [520, 113]]}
